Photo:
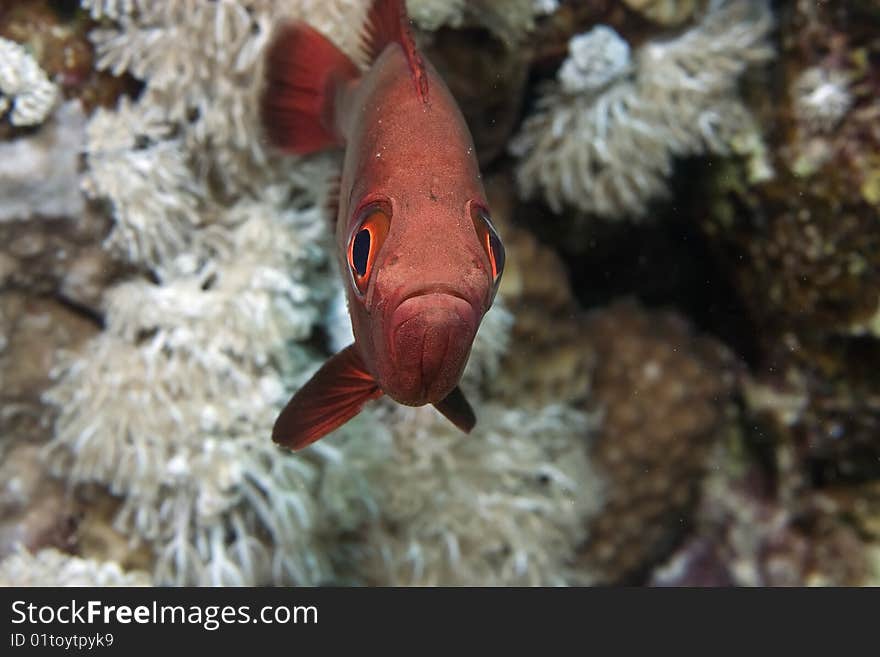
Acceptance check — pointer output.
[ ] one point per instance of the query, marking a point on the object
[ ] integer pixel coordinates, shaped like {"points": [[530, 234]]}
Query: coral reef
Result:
{"points": [[662, 394], [802, 248], [750, 535], [34, 510], [39, 175], [432, 14], [509, 20], [595, 59], [185, 447], [535, 287], [666, 12], [505, 505], [188, 451], [166, 281], [51, 248], [56, 36], [171, 405], [603, 140], [492, 42], [51, 240], [821, 98], [648, 452], [50, 567], [25, 91]]}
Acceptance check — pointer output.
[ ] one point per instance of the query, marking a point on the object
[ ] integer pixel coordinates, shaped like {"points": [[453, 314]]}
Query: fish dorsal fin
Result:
{"points": [[335, 394], [387, 22], [456, 409]]}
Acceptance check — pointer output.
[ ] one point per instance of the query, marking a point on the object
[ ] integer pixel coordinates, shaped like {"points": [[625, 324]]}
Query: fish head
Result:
{"points": [[419, 285]]}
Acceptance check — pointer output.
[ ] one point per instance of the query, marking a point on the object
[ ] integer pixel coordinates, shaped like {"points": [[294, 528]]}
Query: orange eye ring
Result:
{"points": [[489, 240], [364, 244]]}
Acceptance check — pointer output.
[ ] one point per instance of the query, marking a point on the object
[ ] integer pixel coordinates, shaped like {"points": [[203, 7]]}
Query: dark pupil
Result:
{"points": [[497, 251], [360, 251]]}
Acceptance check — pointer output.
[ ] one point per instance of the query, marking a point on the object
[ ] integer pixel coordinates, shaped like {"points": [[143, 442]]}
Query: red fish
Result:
{"points": [[419, 254]]}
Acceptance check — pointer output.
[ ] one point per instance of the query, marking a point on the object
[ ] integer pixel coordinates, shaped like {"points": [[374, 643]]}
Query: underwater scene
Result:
{"points": [[443, 292]]}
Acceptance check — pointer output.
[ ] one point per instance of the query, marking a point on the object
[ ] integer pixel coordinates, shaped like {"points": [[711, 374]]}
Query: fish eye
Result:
{"points": [[364, 245], [489, 240], [360, 251]]}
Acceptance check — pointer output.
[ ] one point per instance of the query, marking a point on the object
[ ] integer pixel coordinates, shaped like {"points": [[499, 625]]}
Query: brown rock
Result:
{"points": [[663, 394], [34, 508]]}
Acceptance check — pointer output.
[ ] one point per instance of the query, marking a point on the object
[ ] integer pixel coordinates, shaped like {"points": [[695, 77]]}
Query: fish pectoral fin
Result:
{"points": [[456, 409], [335, 394]]}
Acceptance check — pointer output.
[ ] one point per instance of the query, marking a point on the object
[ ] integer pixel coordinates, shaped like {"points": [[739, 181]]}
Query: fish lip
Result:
{"points": [[458, 304], [438, 288]]}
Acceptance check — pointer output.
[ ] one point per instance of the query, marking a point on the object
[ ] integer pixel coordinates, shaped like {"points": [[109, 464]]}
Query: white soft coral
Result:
{"points": [[24, 86], [603, 140]]}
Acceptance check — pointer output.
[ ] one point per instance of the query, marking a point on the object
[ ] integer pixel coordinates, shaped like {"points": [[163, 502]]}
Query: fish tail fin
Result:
{"points": [[303, 72], [387, 22], [335, 394]]}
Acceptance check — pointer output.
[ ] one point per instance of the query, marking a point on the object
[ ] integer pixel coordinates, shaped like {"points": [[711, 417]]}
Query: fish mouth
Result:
{"points": [[439, 288], [430, 339]]}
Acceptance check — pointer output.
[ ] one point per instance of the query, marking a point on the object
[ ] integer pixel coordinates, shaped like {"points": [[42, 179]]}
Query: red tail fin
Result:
{"points": [[303, 71], [334, 395], [387, 23]]}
